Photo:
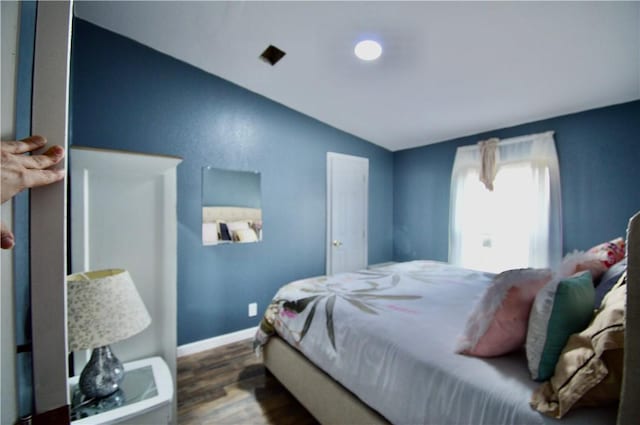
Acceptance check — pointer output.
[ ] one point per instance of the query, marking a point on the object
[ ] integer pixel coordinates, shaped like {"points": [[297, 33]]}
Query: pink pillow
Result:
{"points": [[610, 252], [498, 323]]}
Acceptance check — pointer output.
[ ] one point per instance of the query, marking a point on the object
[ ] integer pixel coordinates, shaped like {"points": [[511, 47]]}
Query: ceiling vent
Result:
{"points": [[272, 55]]}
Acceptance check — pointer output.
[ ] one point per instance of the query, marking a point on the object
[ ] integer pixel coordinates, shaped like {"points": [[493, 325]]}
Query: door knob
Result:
{"points": [[337, 243]]}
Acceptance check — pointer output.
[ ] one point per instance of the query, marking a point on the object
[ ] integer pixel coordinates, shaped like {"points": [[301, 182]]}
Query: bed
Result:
{"points": [[403, 369], [241, 224]]}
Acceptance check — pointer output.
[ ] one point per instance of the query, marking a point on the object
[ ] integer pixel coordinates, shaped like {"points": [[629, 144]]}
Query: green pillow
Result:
{"points": [[561, 308]]}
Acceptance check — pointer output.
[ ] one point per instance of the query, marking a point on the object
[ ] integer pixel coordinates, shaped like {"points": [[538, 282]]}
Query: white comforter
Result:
{"points": [[388, 335]]}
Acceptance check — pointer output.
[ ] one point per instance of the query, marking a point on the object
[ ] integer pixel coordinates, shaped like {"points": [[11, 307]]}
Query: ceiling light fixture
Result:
{"points": [[368, 50]]}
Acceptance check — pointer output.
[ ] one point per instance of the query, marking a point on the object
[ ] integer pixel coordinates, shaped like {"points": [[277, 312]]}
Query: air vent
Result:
{"points": [[272, 55]]}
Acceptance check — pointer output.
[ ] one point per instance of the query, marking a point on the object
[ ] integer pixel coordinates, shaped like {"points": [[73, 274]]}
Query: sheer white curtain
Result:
{"points": [[518, 224]]}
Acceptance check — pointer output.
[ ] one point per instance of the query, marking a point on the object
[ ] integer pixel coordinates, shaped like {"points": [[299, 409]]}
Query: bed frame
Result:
{"points": [[331, 403], [629, 410], [327, 400]]}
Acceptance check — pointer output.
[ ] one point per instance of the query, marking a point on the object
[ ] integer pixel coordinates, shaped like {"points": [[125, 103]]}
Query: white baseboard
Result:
{"points": [[216, 341]]}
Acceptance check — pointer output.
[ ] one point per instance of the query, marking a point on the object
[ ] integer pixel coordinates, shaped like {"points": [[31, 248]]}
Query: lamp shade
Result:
{"points": [[104, 307]]}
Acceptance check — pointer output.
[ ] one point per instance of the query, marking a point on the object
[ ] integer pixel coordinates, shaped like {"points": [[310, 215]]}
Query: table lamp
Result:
{"points": [[104, 307]]}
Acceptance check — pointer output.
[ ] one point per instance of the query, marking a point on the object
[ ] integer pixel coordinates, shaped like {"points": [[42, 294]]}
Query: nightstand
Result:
{"points": [[144, 397]]}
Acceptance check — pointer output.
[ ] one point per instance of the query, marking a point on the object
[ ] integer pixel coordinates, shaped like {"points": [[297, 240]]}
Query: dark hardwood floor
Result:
{"points": [[230, 385]]}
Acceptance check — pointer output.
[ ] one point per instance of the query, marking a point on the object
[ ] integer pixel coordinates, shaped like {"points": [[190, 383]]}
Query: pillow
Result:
{"points": [[610, 252], [245, 235], [589, 371], [561, 308], [498, 323], [237, 225], [616, 269], [578, 261], [224, 231], [209, 233], [610, 278]]}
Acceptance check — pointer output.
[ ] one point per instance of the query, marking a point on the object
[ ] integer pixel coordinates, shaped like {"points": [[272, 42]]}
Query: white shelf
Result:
{"points": [[164, 396]]}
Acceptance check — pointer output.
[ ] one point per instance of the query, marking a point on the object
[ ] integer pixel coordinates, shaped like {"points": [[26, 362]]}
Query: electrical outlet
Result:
{"points": [[253, 309]]}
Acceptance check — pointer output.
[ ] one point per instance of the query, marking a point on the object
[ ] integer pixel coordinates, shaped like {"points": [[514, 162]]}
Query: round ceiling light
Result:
{"points": [[368, 50]]}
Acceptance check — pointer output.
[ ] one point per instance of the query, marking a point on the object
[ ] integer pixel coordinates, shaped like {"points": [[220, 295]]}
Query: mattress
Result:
{"points": [[389, 335]]}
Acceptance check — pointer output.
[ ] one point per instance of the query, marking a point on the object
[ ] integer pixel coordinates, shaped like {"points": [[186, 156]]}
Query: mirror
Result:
{"points": [[231, 209]]}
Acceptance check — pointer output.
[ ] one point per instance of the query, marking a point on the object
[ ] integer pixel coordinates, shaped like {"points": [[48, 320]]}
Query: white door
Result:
{"points": [[347, 212]]}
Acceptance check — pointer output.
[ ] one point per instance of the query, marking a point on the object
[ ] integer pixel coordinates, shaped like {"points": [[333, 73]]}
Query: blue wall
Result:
{"points": [[599, 154], [127, 96]]}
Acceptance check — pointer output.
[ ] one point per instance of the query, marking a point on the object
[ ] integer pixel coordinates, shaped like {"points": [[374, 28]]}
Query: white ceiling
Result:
{"points": [[448, 69]]}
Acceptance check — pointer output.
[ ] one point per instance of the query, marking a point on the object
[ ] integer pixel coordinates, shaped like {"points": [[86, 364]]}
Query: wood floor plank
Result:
{"points": [[230, 385]]}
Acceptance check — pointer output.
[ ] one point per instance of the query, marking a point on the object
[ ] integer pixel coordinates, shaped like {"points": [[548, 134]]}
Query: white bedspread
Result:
{"points": [[388, 335]]}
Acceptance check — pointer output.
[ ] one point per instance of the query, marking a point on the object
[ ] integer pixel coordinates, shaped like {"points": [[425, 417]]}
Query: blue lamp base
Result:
{"points": [[103, 374]]}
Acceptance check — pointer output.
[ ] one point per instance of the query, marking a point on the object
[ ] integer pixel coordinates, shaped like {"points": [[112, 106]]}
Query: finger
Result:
{"points": [[7, 239], [35, 178], [51, 157], [25, 145]]}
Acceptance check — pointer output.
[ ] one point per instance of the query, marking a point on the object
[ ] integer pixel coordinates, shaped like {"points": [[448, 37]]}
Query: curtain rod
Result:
{"points": [[511, 140]]}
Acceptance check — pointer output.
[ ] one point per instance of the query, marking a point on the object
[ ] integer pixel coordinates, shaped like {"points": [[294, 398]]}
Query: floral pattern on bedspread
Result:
{"points": [[299, 304], [388, 336]]}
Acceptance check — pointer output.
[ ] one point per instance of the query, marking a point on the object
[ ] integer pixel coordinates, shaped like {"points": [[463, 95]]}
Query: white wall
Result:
{"points": [[9, 28]]}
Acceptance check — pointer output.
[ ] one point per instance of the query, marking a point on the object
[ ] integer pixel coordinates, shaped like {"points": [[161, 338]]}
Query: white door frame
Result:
{"points": [[48, 215], [337, 156]]}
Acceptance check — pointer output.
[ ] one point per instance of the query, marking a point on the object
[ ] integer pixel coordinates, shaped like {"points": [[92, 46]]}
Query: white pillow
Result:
{"points": [[245, 235], [209, 233], [234, 226]]}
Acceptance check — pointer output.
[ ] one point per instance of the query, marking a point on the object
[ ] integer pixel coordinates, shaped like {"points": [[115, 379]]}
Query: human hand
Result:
{"points": [[7, 238], [19, 172]]}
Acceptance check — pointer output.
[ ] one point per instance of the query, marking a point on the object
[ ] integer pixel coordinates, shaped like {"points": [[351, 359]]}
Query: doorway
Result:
{"points": [[347, 212]]}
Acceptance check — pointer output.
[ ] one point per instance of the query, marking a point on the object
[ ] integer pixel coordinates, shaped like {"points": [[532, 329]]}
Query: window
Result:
{"points": [[518, 223]]}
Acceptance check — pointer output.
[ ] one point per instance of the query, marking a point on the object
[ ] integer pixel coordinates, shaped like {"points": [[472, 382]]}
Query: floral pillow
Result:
{"points": [[610, 252]]}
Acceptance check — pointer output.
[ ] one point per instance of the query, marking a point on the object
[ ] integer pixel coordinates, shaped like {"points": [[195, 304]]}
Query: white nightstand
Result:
{"points": [[144, 397]]}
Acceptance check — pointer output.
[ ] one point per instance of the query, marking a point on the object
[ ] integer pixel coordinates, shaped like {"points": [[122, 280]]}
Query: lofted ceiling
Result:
{"points": [[448, 69]]}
